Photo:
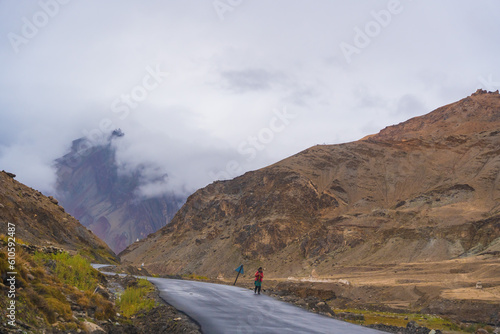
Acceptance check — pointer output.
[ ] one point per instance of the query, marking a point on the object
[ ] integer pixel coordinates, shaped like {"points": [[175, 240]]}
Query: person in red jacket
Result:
{"points": [[259, 276]]}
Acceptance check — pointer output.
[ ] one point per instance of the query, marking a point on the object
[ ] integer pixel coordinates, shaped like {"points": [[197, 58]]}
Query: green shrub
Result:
{"points": [[48, 291], [56, 279], [38, 301], [104, 308], [62, 308], [72, 270], [38, 273], [134, 299]]}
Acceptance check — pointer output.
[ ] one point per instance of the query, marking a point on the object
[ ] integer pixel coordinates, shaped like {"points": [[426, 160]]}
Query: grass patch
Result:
{"points": [[4, 238], [104, 309], [196, 277], [72, 270], [98, 255], [401, 319], [45, 285], [134, 299], [472, 328], [40, 297]]}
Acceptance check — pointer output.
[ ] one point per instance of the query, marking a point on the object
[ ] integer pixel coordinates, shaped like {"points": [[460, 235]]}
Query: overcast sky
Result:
{"points": [[210, 89]]}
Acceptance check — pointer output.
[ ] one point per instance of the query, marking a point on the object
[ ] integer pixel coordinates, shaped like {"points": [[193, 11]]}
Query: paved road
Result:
{"points": [[221, 309], [101, 266]]}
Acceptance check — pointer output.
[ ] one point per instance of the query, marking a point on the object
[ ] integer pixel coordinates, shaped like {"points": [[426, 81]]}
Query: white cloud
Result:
{"points": [[226, 78]]}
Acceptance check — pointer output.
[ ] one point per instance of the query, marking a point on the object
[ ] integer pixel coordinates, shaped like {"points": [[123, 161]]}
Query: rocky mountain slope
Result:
{"points": [[91, 189], [55, 288], [424, 190], [41, 222]]}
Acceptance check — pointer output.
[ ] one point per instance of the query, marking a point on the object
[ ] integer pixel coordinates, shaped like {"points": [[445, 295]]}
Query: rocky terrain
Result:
{"points": [[56, 289], [420, 198], [90, 187], [50, 251], [163, 318], [41, 221]]}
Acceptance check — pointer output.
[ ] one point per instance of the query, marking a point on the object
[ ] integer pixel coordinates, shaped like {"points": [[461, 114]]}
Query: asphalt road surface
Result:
{"points": [[221, 309]]}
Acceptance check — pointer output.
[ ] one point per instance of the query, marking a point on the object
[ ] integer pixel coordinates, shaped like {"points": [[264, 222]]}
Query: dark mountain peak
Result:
{"points": [[91, 188], [117, 133]]}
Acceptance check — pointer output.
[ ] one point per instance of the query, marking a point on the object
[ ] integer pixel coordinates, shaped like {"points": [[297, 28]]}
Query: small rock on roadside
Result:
{"points": [[92, 328], [481, 331]]}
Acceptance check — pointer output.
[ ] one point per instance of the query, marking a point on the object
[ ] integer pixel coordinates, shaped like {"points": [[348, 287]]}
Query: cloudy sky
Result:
{"points": [[207, 90]]}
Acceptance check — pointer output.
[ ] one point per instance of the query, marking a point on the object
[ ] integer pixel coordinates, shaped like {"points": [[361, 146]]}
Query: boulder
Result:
{"points": [[481, 331], [102, 291], [92, 328], [53, 200], [9, 174]]}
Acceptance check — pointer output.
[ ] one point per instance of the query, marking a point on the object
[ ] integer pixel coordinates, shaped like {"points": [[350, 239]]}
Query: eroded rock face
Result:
{"points": [[424, 190]]}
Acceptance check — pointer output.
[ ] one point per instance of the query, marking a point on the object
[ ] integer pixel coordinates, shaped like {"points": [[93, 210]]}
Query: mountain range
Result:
{"points": [[427, 189]]}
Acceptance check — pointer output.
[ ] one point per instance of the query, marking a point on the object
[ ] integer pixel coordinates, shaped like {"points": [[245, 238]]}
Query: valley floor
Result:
{"points": [[466, 291], [454, 296]]}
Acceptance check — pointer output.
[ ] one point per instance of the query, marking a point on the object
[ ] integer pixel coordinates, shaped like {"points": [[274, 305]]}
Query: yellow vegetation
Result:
{"points": [[401, 320], [45, 284], [134, 299]]}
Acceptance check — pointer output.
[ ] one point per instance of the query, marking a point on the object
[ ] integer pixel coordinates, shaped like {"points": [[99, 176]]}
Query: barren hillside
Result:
{"points": [[425, 190], [40, 221]]}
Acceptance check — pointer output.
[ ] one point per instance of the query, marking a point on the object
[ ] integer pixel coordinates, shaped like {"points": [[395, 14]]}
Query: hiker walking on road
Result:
{"points": [[259, 276]]}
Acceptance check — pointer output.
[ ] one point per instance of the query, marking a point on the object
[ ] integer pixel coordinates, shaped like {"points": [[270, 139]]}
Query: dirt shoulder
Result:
{"points": [[162, 318]]}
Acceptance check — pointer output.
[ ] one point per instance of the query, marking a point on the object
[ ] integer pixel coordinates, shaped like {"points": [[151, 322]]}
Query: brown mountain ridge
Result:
{"points": [[423, 191], [41, 222]]}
